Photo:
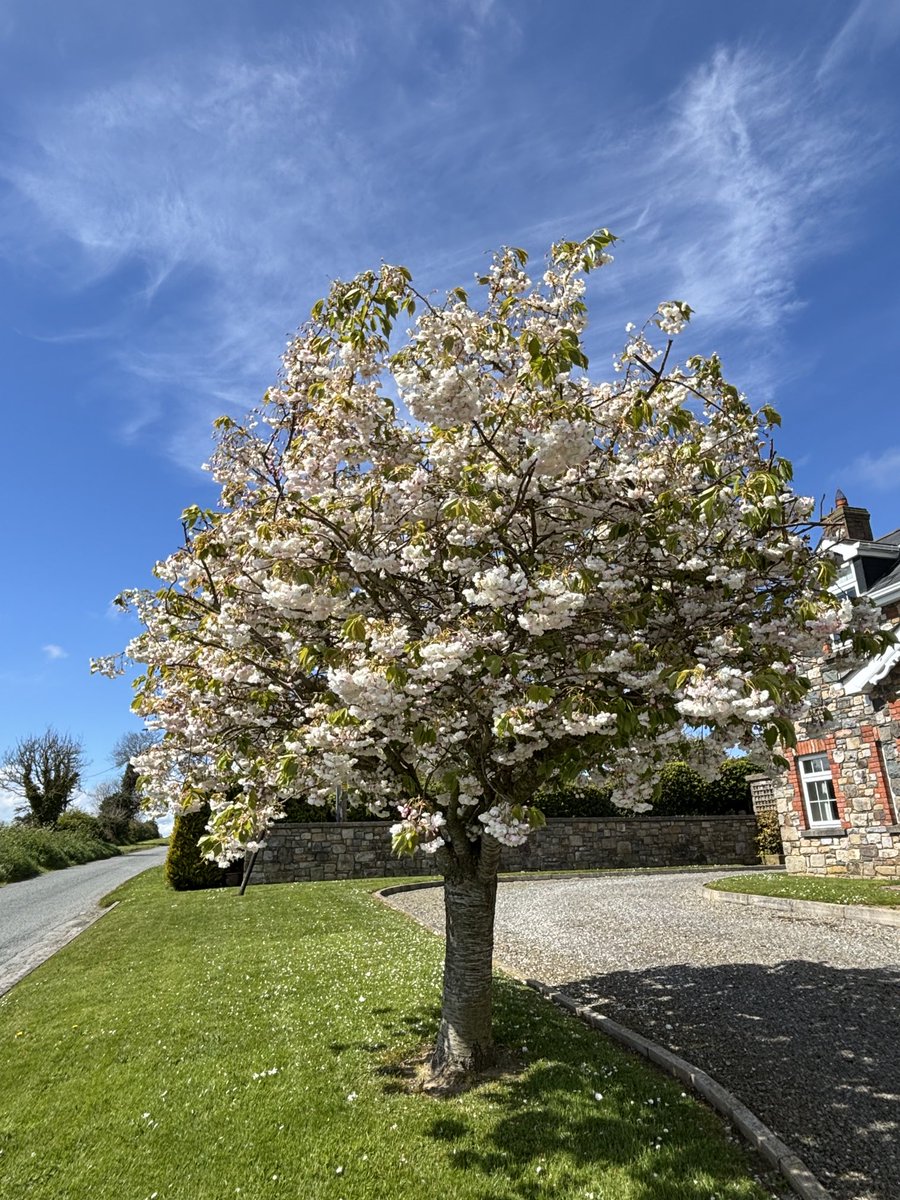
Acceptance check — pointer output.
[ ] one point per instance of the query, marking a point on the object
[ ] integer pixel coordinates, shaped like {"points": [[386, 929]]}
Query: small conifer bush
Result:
{"points": [[186, 869]]}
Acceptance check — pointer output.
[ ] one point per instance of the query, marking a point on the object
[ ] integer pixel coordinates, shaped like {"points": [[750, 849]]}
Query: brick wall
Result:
{"points": [[302, 852]]}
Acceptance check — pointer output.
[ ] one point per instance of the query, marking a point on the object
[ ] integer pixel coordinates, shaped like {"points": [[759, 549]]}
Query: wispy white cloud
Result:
{"points": [[52, 651], [761, 170], [239, 186], [872, 27], [879, 471]]}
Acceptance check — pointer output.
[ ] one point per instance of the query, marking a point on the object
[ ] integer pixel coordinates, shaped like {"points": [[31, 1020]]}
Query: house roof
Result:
{"points": [[892, 579], [891, 539]]}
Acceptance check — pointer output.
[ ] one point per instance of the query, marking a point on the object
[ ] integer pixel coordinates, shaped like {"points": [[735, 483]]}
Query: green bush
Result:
{"points": [[768, 834], [186, 869], [74, 820], [576, 802], [296, 809], [18, 859], [142, 831], [730, 793], [682, 793], [26, 850]]}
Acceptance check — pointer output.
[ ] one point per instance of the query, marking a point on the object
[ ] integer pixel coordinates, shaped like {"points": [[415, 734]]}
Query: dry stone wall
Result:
{"points": [[304, 852]]}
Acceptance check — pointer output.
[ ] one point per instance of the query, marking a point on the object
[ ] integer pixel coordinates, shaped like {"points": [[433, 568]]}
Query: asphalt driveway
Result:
{"points": [[39, 915], [799, 1019]]}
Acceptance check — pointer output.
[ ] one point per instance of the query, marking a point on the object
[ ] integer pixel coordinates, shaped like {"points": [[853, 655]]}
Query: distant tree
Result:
{"points": [[136, 741], [44, 770], [119, 804], [113, 811]]}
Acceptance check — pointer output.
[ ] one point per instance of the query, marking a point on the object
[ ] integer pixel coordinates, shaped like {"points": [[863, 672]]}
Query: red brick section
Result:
{"points": [[869, 735], [823, 745]]}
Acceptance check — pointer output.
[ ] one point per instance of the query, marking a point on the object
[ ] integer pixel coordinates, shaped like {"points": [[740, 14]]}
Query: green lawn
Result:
{"points": [[150, 844], [202, 1046], [830, 889]]}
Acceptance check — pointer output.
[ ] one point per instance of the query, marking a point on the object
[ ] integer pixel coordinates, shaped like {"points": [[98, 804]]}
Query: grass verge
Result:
{"points": [[26, 851], [204, 1045], [829, 889], [150, 844]]}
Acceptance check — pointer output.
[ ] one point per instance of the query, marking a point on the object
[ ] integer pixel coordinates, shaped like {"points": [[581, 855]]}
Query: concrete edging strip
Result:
{"points": [[20, 965], [808, 910], [760, 1137]]}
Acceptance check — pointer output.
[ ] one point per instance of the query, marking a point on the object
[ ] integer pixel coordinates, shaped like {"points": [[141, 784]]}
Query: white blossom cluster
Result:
{"points": [[539, 573]]}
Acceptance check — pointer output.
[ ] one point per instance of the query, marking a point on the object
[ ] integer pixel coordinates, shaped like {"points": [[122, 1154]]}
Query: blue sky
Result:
{"points": [[179, 182]]}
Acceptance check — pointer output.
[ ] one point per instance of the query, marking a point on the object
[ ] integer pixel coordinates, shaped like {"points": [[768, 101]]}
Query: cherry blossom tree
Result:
{"points": [[450, 568]]}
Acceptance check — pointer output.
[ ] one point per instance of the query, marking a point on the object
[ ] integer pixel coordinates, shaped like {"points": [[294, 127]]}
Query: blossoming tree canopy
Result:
{"points": [[445, 572]]}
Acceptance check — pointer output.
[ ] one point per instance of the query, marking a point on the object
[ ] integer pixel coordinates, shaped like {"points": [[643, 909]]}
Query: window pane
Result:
{"points": [[823, 812], [816, 764]]}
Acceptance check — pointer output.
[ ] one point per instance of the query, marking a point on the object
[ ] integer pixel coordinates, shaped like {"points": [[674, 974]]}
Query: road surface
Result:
{"points": [[37, 916]]}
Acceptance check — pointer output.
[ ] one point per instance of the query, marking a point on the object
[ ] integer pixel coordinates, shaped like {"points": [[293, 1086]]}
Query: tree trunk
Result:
{"points": [[465, 1043]]}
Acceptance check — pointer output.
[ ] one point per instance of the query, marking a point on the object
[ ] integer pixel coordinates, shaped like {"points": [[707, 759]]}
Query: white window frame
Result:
{"points": [[846, 582], [817, 782]]}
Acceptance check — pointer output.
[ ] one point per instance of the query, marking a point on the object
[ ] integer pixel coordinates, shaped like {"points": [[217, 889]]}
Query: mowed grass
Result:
{"points": [[829, 889], [150, 844], [204, 1046]]}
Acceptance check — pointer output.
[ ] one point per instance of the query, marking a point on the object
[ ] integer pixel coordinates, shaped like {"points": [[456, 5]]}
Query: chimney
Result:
{"points": [[846, 524]]}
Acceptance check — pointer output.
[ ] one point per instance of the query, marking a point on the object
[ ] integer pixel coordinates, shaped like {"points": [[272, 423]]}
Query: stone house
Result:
{"points": [[839, 801]]}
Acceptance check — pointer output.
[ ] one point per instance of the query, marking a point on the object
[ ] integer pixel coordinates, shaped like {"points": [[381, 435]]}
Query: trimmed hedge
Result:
{"points": [[683, 793], [26, 850], [186, 869], [296, 809]]}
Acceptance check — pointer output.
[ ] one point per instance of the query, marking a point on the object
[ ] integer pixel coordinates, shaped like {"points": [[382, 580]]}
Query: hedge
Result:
{"points": [[682, 793]]}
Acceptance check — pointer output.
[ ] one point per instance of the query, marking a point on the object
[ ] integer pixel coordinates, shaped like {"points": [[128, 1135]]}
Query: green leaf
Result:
{"points": [[354, 628]]}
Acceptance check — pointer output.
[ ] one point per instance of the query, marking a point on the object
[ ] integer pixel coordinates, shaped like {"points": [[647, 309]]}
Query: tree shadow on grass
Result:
{"points": [[813, 1050], [575, 1117]]}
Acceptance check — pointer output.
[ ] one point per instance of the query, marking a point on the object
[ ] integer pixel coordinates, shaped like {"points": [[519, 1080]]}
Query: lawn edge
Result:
{"points": [[759, 1136], [808, 910], [20, 966]]}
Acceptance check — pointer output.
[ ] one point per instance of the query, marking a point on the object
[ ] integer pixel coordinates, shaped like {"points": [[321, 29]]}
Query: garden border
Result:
{"points": [[790, 909], [760, 1137]]}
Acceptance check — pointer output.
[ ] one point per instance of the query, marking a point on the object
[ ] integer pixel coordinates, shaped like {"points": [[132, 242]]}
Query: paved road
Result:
{"points": [[799, 1019], [37, 916]]}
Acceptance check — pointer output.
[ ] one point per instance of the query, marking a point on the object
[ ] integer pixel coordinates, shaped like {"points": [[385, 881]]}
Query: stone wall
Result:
{"points": [[301, 852]]}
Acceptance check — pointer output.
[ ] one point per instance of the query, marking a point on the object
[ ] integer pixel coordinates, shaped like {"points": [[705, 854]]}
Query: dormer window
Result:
{"points": [[846, 584]]}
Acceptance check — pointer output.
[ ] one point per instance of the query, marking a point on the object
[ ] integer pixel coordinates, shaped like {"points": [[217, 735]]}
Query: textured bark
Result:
{"points": [[465, 1044]]}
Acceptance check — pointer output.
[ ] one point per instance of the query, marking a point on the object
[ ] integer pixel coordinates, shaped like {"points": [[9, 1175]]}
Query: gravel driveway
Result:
{"points": [[37, 916], [799, 1019]]}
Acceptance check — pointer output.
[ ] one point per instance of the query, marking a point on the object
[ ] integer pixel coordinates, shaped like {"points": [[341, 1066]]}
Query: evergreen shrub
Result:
{"points": [[682, 793], [576, 802], [768, 834], [186, 869]]}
